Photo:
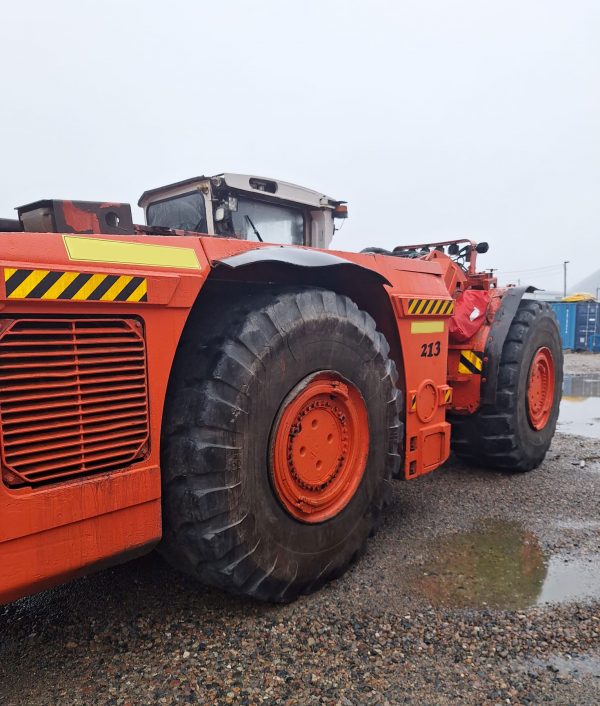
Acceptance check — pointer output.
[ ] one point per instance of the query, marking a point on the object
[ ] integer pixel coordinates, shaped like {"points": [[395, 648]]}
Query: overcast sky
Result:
{"points": [[434, 119]]}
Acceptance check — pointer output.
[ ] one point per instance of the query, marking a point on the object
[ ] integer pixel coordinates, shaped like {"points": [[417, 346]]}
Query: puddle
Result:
{"points": [[503, 566], [580, 406], [588, 665], [571, 580]]}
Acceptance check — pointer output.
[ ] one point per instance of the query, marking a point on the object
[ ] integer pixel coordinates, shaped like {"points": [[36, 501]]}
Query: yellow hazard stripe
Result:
{"points": [[24, 287], [59, 286], [437, 306], [90, 286], [138, 293], [470, 363], [413, 403], [116, 289], [430, 307], [54, 285]]}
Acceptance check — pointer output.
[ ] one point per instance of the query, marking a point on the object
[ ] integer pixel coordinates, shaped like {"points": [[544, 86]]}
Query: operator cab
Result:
{"points": [[245, 207]]}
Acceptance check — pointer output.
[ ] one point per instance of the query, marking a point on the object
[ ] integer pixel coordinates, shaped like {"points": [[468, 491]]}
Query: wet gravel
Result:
{"points": [[404, 625], [581, 363]]}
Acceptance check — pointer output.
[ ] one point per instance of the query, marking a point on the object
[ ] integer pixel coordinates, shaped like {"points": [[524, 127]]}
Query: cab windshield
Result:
{"points": [[271, 223]]}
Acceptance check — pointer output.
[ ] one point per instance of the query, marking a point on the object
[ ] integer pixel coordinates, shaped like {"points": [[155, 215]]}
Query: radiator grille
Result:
{"points": [[73, 397]]}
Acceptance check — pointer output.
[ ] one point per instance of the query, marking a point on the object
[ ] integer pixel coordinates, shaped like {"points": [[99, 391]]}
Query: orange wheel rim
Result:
{"points": [[540, 390], [319, 447]]}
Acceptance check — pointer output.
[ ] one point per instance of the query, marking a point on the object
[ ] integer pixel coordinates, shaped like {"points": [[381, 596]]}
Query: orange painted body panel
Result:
{"points": [[53, 532]]}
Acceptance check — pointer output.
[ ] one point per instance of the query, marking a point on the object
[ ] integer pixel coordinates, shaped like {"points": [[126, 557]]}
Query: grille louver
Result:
{"points": [[73, 398]]}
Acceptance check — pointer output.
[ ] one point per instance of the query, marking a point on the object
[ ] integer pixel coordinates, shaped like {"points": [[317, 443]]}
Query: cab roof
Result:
{"points": [[274, 188]]}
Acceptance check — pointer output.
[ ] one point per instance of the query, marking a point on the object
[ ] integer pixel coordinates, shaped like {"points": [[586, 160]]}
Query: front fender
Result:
{"points": [[293, 257], [496, 339]]}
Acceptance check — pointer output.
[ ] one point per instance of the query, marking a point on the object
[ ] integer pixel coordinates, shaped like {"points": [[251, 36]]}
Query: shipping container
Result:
{"points": [[579, 324], [586, 325], [566, 313]]}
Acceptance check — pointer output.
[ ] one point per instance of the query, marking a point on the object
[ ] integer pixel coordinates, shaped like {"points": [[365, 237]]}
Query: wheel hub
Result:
{"points": [[319, 447], [540, 390]]}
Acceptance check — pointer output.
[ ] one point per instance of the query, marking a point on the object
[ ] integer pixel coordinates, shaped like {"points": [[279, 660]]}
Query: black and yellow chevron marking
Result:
{"points": [[74, 286], [448, 396], [413, 402], [470, 363], [430, 307]]}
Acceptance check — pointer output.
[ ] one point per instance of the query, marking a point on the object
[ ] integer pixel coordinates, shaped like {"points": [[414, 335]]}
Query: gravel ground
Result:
{"points": [[444, 608], [581, 363]]}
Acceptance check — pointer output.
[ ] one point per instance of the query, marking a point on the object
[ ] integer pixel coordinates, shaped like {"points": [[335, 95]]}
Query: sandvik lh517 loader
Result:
{"points": [[220, 384]]}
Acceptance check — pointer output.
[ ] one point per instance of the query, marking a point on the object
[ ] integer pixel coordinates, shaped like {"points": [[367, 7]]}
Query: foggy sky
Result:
{"points": [[434, 119]]}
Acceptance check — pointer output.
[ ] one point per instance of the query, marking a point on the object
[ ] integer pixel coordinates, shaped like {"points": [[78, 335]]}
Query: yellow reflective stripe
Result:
{"points": [[464, 370], [124, 252], [60, 285], [88, 287], [138, 292], [426, 326], [117, 287], [28, 284], [8, 272]]}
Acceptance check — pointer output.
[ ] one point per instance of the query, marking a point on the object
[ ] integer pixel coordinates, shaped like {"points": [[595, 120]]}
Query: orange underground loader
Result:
{"points": [[219, 384]]}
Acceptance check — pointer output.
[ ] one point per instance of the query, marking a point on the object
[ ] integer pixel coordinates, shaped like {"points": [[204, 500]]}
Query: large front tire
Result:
{"points": [[282, 430], [516, 431]]}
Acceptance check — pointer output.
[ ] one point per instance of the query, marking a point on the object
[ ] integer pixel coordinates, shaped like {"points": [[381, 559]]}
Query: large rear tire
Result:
{"points": [[516, 431], [282, 430]]}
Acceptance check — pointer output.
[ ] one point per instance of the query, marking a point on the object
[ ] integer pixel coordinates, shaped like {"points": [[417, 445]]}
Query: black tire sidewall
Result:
{"points": [[543, 333], [308, 348]]}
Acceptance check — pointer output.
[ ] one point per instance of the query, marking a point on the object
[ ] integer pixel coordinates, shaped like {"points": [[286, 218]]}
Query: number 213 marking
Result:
{"points": [[430, 350]]}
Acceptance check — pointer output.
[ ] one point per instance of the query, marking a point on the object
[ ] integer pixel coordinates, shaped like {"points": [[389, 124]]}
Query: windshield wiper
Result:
{"points": [[256, 233]]}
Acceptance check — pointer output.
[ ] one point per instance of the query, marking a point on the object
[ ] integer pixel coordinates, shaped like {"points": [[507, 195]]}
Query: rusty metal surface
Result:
{"points": [[52, 215]]}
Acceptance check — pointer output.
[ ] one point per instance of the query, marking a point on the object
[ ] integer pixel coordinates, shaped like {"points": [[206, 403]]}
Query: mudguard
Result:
{"points": [[495, 341], [296, 257]]}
